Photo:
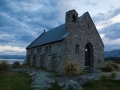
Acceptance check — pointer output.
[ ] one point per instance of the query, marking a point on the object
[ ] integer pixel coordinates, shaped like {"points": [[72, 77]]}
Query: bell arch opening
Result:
{"points": [[89, 55]]}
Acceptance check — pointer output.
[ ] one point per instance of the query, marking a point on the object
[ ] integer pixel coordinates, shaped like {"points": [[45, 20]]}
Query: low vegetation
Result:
{"points": [[14, 81], [112, 75], [71, 68], [104, 84], [16, 64], [110, 66], [4, 65]]}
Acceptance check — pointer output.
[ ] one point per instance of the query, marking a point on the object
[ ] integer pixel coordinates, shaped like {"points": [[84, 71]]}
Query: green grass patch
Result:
{"points": [[104, 84], [14, 81]]}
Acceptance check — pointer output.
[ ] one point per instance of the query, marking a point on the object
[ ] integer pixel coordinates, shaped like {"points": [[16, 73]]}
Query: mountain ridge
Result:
{"points": [[112, 53]]}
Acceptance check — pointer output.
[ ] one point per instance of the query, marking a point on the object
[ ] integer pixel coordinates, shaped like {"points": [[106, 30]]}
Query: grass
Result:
{"points": [[103, 75], [104, 84], [71, 68], [110, 66], [14, 81], [111, 75]]}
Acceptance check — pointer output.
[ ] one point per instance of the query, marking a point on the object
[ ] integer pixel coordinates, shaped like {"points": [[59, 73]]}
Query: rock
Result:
{"points": [[93, 76], [50, 81], [82, 80], [72, 85], [61, 84], [41, 81], [60, 74], [32, 74]]}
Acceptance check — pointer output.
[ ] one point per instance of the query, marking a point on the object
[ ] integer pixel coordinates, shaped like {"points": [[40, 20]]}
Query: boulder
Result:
{"points": [[72, 85], [32, 74], [61, 84], [82, 80], [50, 81]]}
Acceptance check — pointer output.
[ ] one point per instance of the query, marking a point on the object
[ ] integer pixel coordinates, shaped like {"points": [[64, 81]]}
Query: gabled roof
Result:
{"points": [[52, 35]]}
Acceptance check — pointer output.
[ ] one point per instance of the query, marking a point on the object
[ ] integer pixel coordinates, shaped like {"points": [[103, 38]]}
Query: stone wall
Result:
{"points": [[82, 33], [49, 59]]}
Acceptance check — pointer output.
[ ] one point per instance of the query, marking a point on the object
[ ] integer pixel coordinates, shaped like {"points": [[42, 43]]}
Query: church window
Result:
{"points": [[32, 51], [39, 50], [77, 48], [49, 49], [88, 25], [46, 49]]}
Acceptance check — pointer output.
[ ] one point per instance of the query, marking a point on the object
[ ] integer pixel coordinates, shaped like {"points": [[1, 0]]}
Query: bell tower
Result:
{"points": [[71, 17]]}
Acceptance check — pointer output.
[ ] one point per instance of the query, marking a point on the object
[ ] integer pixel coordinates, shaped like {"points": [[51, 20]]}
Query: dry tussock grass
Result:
{"points": [[71, 68], [110, 66], [112, 75]]}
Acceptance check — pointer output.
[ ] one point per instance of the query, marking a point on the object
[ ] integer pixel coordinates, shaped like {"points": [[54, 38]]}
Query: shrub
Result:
{"points": [[115, 65], [113, 74], [104, 75], [4, 65], [71, 68], [108, 68], [16, 64]]}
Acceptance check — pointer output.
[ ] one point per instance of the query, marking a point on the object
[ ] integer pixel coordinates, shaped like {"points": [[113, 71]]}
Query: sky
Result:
{"points": [[22, 21]]}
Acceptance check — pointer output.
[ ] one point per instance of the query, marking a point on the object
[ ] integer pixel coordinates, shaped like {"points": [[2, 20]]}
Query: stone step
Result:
{"points": [[89, 70]]}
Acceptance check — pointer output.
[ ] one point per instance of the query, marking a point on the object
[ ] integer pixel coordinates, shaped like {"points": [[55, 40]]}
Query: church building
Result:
{"points": [[77, 39]]}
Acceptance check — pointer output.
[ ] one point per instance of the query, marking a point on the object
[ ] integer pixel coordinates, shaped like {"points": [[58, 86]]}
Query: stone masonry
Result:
{"points": [[82, 44]]}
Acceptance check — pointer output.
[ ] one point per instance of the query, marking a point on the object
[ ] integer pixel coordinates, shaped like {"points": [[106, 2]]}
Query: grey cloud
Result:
{"points": [[112, 32], [24, 20], [106, 16]]}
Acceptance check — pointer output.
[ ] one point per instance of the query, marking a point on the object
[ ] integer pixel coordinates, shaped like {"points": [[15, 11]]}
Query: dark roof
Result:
{"points": [[52, 35]]}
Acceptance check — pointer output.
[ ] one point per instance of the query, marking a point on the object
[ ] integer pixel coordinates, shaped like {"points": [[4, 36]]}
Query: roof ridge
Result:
{"points": [[55, 27], [36, 39]]}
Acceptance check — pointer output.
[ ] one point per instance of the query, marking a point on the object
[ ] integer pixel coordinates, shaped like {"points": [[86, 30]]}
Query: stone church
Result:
{"points": [[77, 40]]}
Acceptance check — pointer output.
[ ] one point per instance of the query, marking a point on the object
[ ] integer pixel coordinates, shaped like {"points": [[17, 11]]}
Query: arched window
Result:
{"points": [[88, 25], [77, 48], [49, 49], [74, 18], [46, 49], [39, 50], [32, 51]]}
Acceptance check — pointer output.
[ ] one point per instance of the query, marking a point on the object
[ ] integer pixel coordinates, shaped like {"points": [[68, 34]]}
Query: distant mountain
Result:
{"points": [[113, 53], [12, 56]]}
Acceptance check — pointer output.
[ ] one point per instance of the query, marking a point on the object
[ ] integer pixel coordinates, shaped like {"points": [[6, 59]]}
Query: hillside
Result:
{"points": [[113, 53]]}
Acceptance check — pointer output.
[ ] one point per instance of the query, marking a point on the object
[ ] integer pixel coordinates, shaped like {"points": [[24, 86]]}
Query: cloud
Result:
{"points": [[103, 20], [11, 50], [22, 21], [108, 25], [112, 31], [91, 2]]}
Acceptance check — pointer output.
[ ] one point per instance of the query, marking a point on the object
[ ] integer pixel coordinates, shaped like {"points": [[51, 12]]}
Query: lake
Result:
{"points": [[12, 60]]}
